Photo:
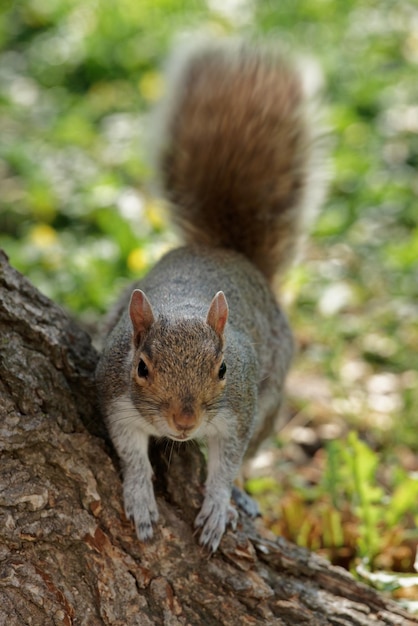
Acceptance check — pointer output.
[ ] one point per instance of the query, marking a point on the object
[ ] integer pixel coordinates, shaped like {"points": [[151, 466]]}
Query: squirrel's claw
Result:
{"points": [[213, 518], [141, 508]]}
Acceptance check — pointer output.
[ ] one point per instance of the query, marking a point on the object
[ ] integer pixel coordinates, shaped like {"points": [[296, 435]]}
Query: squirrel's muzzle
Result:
{"points": [[183, 420]]}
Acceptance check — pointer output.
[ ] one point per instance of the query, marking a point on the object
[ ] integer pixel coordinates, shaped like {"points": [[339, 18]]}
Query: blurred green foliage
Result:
{"points": [[78, 217], [359, 512]]}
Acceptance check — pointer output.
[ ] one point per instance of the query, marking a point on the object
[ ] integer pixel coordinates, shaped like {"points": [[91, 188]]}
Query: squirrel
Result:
{"points": [[199, 348]]}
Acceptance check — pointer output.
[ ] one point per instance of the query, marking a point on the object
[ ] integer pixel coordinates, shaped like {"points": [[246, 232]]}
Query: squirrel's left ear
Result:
{"points": [[141, 314], [218, 313]]}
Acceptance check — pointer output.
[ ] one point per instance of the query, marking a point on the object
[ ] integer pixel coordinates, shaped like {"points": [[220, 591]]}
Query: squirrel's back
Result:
{"points": [[238, 150]]}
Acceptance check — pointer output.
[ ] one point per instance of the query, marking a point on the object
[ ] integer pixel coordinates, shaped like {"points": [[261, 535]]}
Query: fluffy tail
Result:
{"points": [[238, 152]]}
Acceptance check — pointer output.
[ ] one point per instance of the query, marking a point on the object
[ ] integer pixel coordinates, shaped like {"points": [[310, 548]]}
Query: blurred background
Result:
{"points": [[79, 218]]}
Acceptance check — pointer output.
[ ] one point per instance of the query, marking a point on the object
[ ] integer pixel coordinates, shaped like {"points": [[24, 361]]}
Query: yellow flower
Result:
{"points": [[136, 260], [151, 86], [43, 236], [156, 214]]}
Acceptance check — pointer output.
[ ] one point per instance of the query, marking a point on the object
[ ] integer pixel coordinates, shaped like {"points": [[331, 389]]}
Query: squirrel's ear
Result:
{"points": [[141, 314], [218, 313]]}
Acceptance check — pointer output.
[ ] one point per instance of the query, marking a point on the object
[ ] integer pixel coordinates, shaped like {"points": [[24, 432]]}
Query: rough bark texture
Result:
{"points": [[67, 553]]}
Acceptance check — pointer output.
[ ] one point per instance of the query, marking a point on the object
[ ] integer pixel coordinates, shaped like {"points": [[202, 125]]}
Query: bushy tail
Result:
{"points": [[238, 155]]}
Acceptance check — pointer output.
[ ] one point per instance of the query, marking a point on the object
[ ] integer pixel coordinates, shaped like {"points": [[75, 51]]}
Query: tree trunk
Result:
{"points": [[67, 553]]}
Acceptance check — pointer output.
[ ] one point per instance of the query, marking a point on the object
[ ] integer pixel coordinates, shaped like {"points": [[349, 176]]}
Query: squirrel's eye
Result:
{"points": [[222, 371], [142, 369]]}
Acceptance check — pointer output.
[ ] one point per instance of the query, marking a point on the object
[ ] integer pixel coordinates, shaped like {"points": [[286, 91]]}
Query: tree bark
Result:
{"points": [[67, 553]]}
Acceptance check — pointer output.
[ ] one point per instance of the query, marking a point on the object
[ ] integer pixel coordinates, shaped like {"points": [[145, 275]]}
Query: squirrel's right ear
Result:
{"points": [[141, 314], [218, 313]]}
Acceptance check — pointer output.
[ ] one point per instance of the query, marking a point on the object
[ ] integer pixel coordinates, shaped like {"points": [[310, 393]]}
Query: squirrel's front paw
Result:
{"points": [[214, 516], [141, 508]]}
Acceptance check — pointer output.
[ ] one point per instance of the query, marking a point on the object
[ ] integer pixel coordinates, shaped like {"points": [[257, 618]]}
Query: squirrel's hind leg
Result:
{"points": [[245, 502]]}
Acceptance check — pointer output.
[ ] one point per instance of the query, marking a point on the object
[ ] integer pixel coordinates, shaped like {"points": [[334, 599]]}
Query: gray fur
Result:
{"points": [[258, 348], [164, 380]]}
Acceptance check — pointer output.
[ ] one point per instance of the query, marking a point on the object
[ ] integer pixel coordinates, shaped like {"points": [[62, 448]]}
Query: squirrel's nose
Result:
{"points": [[185, 421]]}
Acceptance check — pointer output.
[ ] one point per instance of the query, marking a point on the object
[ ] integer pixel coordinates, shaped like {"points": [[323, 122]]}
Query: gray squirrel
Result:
{"points": [[199, 348]]}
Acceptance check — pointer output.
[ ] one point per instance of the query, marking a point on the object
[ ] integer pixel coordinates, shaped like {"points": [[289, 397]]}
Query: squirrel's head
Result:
{"points": [[178, 372]]}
